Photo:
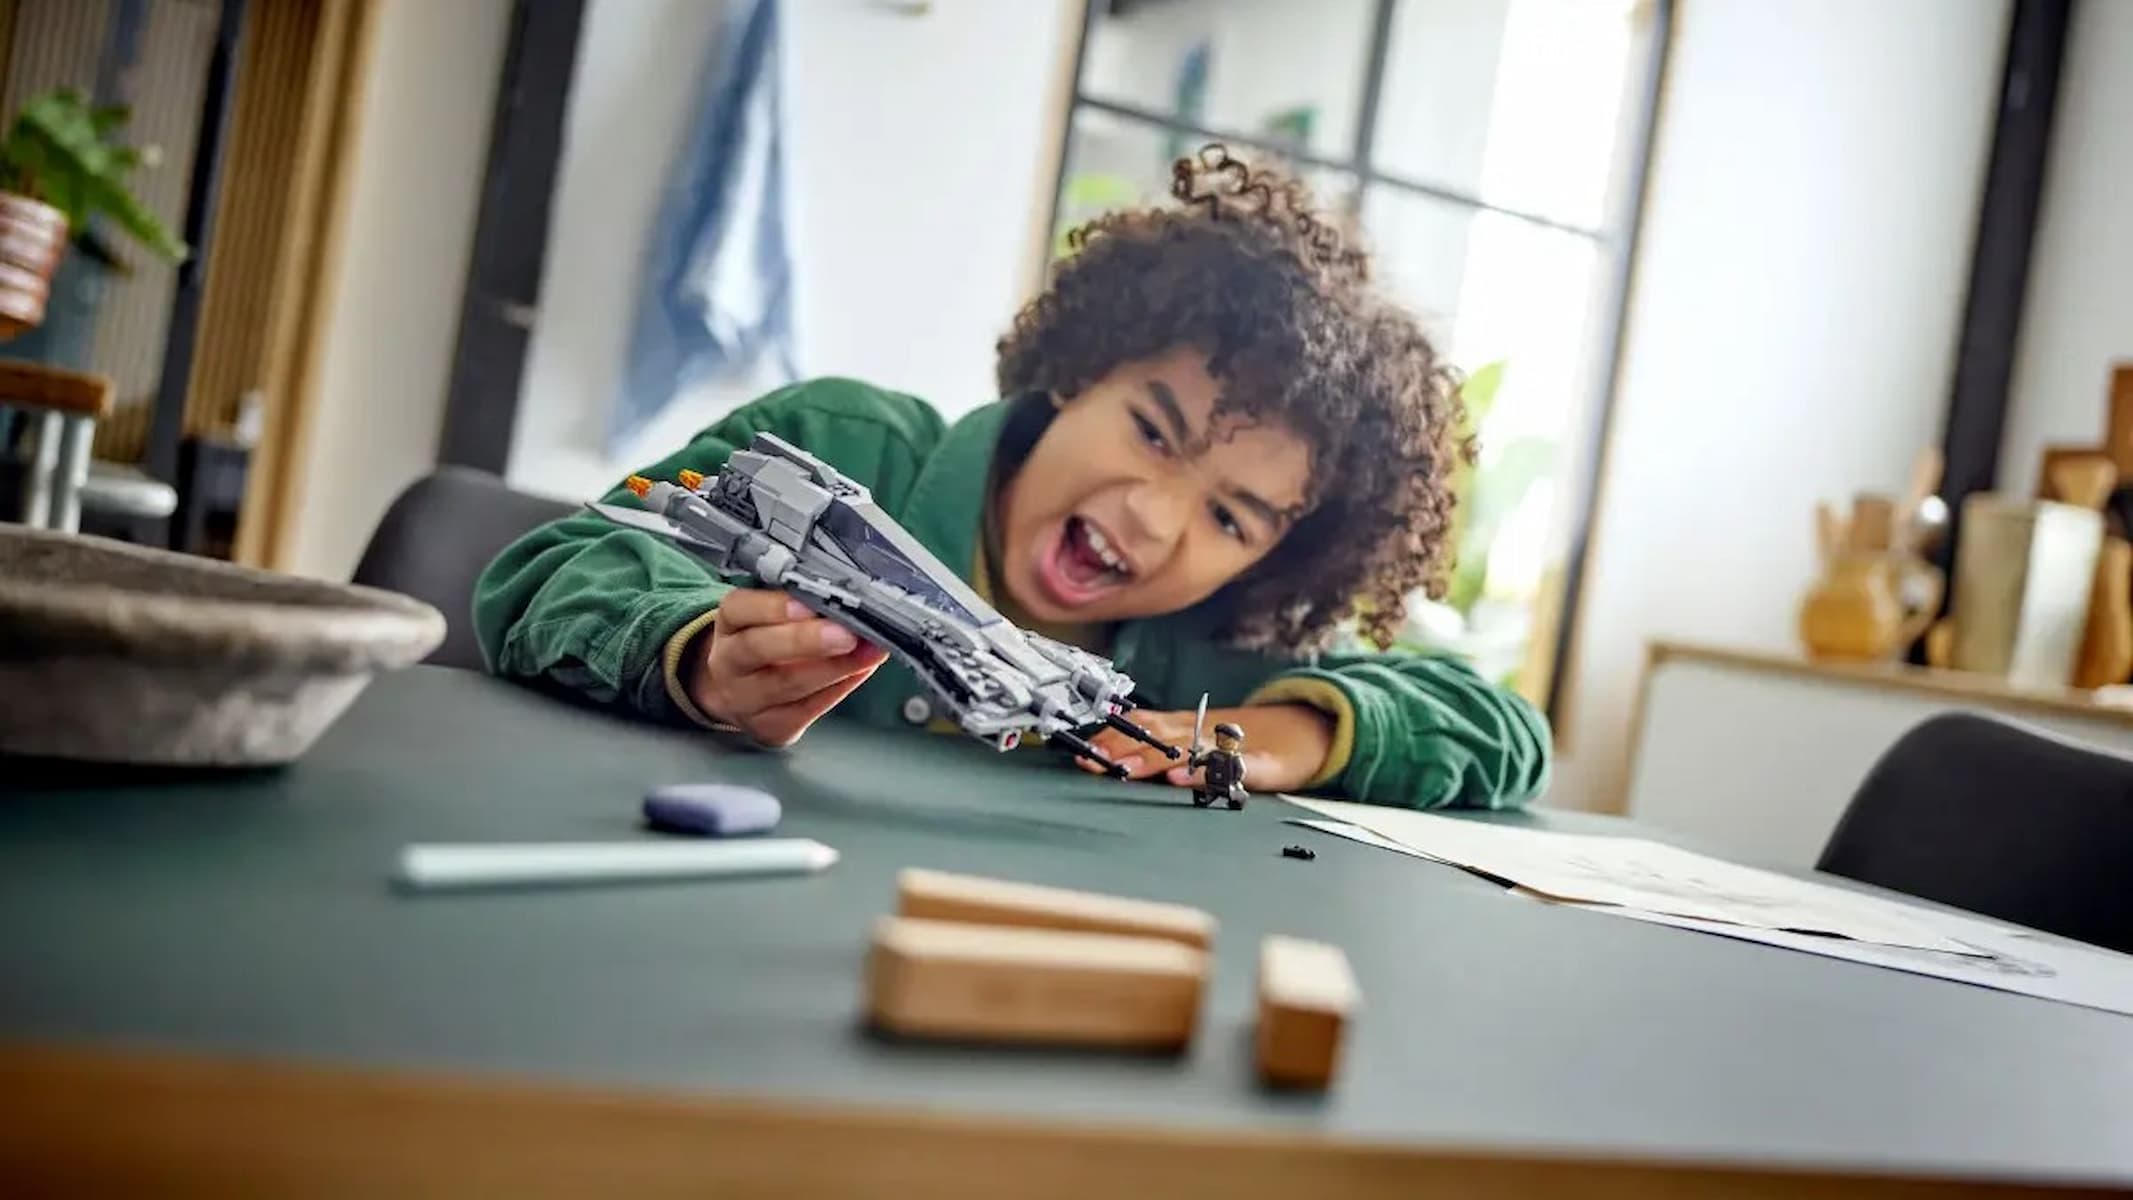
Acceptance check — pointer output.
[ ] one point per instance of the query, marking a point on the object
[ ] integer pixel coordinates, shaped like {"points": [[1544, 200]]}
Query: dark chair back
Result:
{"points": [[2000, 820], [437, 537]]}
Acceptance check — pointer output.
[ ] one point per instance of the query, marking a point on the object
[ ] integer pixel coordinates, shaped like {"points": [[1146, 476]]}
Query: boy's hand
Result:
{"points": [[1284, 745], [771, 667]]}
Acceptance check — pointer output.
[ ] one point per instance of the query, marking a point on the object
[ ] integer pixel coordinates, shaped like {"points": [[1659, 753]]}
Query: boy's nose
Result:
{"points": [[1156, 512]]}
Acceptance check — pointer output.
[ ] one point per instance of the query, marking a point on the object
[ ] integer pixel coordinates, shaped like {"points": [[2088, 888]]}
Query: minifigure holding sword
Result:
{"points": [[1222, 768]]}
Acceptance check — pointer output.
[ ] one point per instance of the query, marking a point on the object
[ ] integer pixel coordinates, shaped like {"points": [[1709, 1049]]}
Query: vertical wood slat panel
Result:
{"points": [[56, 44], [260, 196], [166, 87], [297, 101], [337, 97], [8, 11]]}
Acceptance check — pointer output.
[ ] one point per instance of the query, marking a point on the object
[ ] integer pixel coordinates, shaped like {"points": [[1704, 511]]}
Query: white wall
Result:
{"points": [[1806, 243], [1759, 764], [921, 148], [2078, 318], [423, 137]]}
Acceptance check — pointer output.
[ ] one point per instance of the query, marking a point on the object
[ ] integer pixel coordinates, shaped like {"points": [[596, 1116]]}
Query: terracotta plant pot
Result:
{"points": [[33, 238]]}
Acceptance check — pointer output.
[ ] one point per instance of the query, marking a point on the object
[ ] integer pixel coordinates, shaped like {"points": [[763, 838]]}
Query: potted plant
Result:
{"points": [[59, 169]]}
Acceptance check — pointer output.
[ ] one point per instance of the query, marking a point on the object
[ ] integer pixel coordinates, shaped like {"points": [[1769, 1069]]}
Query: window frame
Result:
{"points": [[1616, 239]]}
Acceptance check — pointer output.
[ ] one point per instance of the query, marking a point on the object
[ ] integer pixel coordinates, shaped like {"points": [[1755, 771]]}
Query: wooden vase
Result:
{"points": [[33, 237], [1857, 611]]}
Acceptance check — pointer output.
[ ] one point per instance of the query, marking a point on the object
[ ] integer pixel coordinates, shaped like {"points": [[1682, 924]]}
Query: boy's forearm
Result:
{"points": [[1426, 732], [1331, 704], [593, 608]]}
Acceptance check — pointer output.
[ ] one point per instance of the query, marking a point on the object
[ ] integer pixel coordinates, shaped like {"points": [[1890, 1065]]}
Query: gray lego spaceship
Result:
{"points": [[786, 519]]}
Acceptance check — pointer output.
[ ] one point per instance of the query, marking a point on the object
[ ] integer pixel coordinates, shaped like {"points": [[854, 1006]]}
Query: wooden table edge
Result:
{"points": [[104, 1121]]}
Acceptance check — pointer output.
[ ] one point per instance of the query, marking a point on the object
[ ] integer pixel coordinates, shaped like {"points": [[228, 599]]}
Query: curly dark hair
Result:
{"points": [[1247, 269]]}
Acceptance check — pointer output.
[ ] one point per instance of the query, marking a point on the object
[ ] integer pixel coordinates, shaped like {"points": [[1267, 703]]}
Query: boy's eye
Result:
{"points": [[1227, 521], [1149, 433]]}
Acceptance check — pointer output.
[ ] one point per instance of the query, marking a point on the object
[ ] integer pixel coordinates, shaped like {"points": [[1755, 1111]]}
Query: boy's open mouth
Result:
{"points": [[1081, 565]]}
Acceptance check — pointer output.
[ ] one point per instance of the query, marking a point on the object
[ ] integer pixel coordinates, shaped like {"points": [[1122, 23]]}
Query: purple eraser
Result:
{"points": [[710, 809]]}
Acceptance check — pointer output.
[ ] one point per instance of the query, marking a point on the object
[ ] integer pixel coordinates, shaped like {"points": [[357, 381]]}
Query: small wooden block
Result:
{"points": [[940, 896], [2049, 462], [1306, 995], [2082, 480], [2118, 420], [945, 979]]}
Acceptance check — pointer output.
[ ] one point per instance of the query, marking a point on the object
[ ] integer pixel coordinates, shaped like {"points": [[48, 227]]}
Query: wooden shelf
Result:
{"points": [[1951, 685]]}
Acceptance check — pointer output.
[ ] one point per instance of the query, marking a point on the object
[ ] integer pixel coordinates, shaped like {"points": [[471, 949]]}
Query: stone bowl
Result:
{"points": [[111, 652]]}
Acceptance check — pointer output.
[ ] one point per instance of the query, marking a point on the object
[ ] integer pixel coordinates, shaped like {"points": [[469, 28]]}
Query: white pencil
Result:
{"points": [[439, 867]]}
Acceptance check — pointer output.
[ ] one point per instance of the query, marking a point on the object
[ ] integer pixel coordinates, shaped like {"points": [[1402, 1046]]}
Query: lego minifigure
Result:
{"points": [[1222, 769]]}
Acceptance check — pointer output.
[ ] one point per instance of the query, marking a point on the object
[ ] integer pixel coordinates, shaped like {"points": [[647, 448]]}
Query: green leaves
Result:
{"points": [[1490, 490], [58, 152]]}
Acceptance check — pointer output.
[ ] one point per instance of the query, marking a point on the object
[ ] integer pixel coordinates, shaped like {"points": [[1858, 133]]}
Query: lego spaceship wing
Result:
{"points": [[646, 521]]}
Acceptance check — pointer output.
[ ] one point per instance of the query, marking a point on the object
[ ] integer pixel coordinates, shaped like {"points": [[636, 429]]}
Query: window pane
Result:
{"points": [[1118, 162], [1517, 102], [1286, 70], [1510, 299]]}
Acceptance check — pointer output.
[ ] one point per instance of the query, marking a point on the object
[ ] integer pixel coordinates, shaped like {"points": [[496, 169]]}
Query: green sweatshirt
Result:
{"points": [[607, 611]]}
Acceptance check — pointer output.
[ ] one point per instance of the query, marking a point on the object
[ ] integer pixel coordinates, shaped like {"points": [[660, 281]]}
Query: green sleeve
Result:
{"points": [[1422, 731], [591, 607]]}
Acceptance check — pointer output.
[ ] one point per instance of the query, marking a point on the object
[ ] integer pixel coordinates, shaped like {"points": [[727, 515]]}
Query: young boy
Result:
{"points": [[1219, 443]]}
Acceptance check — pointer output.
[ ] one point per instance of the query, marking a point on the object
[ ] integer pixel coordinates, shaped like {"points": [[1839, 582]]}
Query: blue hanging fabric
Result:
{"points": [[717, 277]]}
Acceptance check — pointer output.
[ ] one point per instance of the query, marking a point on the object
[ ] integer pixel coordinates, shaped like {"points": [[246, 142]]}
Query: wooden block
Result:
{"points": [[940, 896], [2118, 420], [2052, 459], [2107, 643], [946, 979], [1306, 995], [2082, 480]]}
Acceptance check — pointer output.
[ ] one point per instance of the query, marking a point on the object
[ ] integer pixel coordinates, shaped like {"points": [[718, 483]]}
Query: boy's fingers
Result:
{"points": [[759, 646], [1141, 760], [797, 681], [1139, 764], [783, 724], [1114, 744], [746, 608], [1182, 776]]}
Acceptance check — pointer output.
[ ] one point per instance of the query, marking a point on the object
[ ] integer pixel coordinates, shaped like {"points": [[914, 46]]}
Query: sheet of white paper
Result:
{"points": [[1998, 957], [2006, 961], [1640, 874]]}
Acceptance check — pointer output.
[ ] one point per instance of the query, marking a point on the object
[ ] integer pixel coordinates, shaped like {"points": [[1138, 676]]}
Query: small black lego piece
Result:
{"points": [[1301, 852]]}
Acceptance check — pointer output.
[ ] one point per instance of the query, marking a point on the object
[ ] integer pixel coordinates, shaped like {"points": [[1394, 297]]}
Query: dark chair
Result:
{"points": [[2000, 820], [437, 537]]}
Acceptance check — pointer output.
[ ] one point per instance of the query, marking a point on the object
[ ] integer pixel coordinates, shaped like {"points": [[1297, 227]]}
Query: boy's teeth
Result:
{"points": [[1102, 547]]}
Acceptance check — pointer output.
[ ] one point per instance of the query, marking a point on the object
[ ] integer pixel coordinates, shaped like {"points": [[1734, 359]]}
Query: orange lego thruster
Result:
{"points": [[691, 480], [638, 485]]}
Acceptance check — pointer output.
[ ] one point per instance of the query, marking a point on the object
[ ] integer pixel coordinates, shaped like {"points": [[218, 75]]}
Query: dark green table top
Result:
{"points": [[253, 913]]}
